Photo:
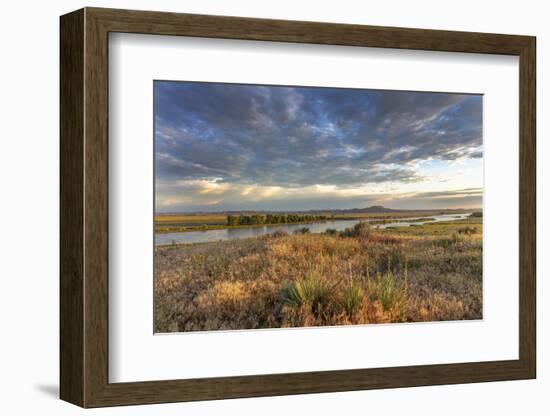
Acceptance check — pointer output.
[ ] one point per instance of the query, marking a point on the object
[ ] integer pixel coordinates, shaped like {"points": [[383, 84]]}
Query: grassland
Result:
{"points": [[182, 222], [426, 272]]}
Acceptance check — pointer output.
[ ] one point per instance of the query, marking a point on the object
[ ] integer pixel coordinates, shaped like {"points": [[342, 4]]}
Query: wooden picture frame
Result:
{"points": [[84, 207]]}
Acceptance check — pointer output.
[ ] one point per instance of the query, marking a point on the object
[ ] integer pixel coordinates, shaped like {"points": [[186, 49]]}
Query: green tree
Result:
{"points": [[257, 219], [232, 220]]}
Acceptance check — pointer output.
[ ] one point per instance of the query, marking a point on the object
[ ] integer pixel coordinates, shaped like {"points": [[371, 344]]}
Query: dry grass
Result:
{"points": [[166, 223], [188, 219], [425, 273]]}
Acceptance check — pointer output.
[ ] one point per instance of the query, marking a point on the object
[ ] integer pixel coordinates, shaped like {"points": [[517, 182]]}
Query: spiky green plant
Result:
{"points": [[310, 290], [386, 288], [352, 297]]}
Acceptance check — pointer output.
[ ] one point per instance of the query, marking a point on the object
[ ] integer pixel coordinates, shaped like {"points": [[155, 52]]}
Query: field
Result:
{"points": [[427, 272], [182, 222]]}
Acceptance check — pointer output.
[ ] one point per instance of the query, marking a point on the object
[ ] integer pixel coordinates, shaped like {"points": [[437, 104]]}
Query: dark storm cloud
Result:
{"points": [[294, 137]]}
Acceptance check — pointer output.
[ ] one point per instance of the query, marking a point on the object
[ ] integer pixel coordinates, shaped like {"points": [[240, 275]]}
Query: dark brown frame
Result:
{"points": [[84, 208]]}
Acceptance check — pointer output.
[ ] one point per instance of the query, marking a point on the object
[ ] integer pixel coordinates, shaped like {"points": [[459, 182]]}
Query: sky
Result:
{"points": [[221, 147]]}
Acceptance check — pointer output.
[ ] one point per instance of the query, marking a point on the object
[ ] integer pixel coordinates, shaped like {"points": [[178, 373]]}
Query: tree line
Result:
{"points": [[273, 219]]}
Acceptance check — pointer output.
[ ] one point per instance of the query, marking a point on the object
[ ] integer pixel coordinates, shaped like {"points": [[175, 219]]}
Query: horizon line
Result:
{"points": [[318, 210]]}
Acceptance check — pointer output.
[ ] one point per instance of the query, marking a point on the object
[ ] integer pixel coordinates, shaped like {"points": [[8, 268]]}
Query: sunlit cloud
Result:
{"points": [[228, 146]]}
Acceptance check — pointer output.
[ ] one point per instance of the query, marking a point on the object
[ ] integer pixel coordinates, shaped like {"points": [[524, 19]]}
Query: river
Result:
{"points": [[191, 237]]}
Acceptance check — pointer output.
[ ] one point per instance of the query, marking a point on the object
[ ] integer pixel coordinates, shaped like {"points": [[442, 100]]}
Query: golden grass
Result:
{"points": [[190, 219], [411, 274]]}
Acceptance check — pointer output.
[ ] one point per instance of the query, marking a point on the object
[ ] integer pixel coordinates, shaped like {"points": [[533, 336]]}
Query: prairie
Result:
{"points": [[429, 272]]}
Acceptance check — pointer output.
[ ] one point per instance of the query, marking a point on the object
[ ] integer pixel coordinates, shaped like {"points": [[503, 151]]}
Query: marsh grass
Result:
{"points": [[359, 276]]}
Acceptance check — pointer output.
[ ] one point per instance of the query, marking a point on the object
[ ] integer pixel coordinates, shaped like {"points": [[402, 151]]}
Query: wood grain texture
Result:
{"points": [[162, 23], [71, 213], [96, 219], [84, 207], [527, 208]]}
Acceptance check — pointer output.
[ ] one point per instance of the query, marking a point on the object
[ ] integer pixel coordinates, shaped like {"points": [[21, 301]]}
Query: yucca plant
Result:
{"points": [[352, 297], [392, 294], [311, 290]]}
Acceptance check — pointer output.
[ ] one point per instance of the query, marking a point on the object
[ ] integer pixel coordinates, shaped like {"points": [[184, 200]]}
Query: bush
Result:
{"points": [[361, 230], [352, 297], [392, 294], [467, 230], [303, 230], [476, 215], [279, 233], [454, 240], [310, 291]]}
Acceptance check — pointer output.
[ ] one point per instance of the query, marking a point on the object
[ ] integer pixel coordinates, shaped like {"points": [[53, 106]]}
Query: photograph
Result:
{"points": [[280, 206]]}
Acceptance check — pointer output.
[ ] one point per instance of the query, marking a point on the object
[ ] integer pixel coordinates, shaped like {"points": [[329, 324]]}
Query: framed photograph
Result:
{"points": [[257, 207]]}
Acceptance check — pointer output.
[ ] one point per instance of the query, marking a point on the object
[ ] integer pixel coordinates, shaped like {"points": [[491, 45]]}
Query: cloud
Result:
{"points": [[301, 136], [459, 193], [287, 137], [204, 195]]}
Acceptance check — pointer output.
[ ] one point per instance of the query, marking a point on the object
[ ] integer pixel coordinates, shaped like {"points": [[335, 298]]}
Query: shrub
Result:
{"points": [[330, 231], [476, 215], [457, 238], [361, 230], [311, 291], [467, 230], [352, 297], [225, 295], [392, 294], [303, 230], [453, 240], [279, 233]]}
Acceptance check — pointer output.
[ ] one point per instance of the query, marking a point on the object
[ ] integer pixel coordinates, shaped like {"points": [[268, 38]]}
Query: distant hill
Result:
{"points": [[375, 209]]}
